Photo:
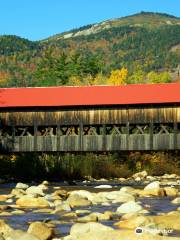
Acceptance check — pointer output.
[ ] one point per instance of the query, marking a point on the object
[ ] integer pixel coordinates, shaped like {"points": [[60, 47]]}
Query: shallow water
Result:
{"points": [[156, 205]]}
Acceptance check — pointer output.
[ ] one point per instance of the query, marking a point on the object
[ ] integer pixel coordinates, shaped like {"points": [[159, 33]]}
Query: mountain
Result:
{"points": [[10, 44], [143, 19], [146, 44]]}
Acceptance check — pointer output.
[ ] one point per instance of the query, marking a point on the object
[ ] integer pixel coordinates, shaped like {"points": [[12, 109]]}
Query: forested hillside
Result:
{"points": [[137, 49]]}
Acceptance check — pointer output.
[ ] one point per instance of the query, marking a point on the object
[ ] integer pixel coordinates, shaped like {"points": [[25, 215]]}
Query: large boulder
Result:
{"points": [[154, 189], [40, 230], [78, 201], [168, 221], [134, 222], [97, 231], [129, 207], [31, 202], [153, 185]]}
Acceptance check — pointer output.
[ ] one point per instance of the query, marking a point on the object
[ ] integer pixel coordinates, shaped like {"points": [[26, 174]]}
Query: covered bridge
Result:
{"points": [[93, 118]]}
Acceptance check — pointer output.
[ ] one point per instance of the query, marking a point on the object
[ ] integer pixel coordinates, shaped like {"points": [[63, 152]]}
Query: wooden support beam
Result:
{"points": [[116, 130], [127, 135], [151, 135], [35, 136], [163, 129], [58, 134], [104, 137], [175, 135], [13, 137], [81, 136]]}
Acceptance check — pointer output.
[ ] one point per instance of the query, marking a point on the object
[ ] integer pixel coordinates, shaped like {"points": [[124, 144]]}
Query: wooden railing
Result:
{"points": [[91, 143]]}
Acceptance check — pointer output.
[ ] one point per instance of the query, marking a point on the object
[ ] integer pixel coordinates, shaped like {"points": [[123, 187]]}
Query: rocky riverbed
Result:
{"points": [[140, 207]]}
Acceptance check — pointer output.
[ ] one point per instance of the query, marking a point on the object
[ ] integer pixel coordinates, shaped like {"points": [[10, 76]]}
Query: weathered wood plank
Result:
{"points": [[98, 115]]}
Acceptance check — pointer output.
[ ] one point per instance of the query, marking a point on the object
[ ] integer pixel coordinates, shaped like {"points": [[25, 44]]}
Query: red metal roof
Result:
{"points": [[91, 95]]}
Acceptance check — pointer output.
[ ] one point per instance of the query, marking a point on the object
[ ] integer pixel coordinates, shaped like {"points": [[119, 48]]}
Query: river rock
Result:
{"points": [[46, 183], [153, 185], [80, 228], [43, 210], [5, 214], [82, 212], [64, 206], [94, 217], [153, 192], [176, 200], [4, 228], [52, 197], [18, 212], [171, 191], [77, 201], [83, 193], [57, 202], [21, 186], [140, 175], [40, 230], [31, 202], [99, 197], [134, 222], [1, 237], [170, 176], [4, 207], [61, 193], [154, 189], [118, 196], [35, 191], [168, 221], [17, 193], [92, 231], [89, 218], [128, 189], [103, 186], [70, 215], [129, 207], [43, 187], [150, 178], [20, 235], [4, 198], [10, 200]]}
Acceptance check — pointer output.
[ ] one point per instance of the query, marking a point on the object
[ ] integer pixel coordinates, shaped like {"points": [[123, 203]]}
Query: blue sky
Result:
{"points": [[38, 19]]}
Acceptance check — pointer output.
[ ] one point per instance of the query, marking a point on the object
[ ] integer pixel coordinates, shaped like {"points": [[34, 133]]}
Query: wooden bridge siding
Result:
{"points": [[163, 141], [178, 141], [139, 141], [91, 143], [114, 115]]}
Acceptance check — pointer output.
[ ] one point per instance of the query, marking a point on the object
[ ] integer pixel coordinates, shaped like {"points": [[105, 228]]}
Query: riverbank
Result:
{"points": [[92, 209]]}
